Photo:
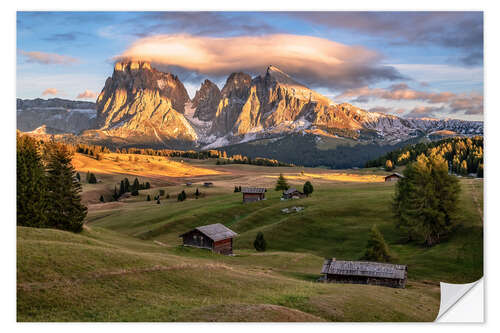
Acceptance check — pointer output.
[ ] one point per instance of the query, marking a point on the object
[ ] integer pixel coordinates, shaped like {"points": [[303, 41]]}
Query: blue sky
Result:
{"points": [[411, 64]]}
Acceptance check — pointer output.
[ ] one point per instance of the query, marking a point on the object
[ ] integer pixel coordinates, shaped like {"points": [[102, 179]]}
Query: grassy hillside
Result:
{"points": [[102, 276], [128, 265]]}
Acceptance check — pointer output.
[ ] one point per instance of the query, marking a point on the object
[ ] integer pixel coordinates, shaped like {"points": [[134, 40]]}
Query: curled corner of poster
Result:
{"points": [[462, 303]]}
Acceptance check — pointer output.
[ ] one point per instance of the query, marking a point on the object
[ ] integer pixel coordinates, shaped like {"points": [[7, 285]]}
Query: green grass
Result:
{"points": [[104, 276], [128, 263]]}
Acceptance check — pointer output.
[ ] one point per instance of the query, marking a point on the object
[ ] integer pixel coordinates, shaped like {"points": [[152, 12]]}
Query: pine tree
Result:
{"points": [[122, 187], [184, 196], [65, 209], [236, 189], [158, 201], [480, 171], [126, 185], [197, 193], [116, 195], [308, 188], [148, 198], [101, 199], [78, 177], [179, 197], [148, 185], [281, 184], [426, 200], [376, 248], [92, 179], [135, 185], [259, 242], [87, 178], [31, 184]]}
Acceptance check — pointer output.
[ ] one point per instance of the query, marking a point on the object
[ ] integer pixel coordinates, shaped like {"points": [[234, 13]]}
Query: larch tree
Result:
{"points": [[426, 199], [376, 248], [281, 183]]}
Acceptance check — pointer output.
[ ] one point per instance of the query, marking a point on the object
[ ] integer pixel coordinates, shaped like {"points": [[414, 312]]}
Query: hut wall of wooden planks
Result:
{"points": [[252, 194], [215, 237], [364, 272]]}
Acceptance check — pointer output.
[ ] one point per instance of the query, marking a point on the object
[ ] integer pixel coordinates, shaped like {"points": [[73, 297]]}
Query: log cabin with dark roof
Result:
{"points": [[364, 272], [252, 194], [215, 237]]}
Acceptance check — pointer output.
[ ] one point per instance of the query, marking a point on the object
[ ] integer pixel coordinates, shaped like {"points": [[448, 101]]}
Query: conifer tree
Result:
{"points": [[65, 209], [122, 187], [135, 185], [101, 199], [148, 198], [87, 178], [388, 165], [116, 195], [376, 248], [260, 243], [281, 184], [197, 193], [31, 184], [126, 185], [308, 188], [426, 200], [92, 179], [78, 177]]}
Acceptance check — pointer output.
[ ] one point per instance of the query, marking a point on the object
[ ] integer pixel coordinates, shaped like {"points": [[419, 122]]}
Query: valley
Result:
{"points": [[128, 264]]}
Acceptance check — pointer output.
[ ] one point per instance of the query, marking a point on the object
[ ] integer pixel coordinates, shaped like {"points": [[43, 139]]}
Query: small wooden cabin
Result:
{"points": [[252, 194], [215, 237], [189, 184], [293, 193], [394, 177], [208, 184], [364, 272]]}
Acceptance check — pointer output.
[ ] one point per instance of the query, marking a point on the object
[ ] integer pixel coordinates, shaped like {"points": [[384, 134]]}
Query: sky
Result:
{"points": [[409, 64]]}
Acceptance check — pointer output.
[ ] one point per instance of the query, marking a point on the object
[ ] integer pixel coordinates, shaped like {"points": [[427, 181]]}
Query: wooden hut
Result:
{"points": [[364, 272], [215, 237], [394, 177], [293, 193], [252, 194]]}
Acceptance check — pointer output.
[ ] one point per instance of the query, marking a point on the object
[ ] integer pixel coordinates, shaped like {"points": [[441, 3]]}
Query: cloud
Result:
{"points": [[469, 103], [50, 91], [87, 94], [312, 60], [462, 31], [48, 58], [205, 23], [425, 112]]}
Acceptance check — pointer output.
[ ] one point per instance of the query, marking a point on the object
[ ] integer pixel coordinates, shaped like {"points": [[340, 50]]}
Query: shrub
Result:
{"points": [[259, 242]]}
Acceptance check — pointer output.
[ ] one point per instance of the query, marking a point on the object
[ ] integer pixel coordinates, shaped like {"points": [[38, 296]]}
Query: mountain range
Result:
{"points": [[140, 105]]}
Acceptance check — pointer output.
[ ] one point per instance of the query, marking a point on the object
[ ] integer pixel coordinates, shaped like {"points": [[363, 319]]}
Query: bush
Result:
{"points": [[260, 243]]}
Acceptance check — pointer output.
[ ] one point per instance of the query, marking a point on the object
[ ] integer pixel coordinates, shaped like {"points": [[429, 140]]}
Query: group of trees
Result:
{"points": [[463, 155], [282, 185], [90, 178], [133, 188], [237, 189], [48, 191], [240, 159]]}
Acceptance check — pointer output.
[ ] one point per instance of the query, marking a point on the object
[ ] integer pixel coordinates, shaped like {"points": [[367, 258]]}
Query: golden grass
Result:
{"points": [[338, 176], [139, 165]]}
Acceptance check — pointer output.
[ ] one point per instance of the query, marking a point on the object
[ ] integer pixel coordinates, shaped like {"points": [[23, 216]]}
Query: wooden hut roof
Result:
{"points": [[215, 232], [291, 191], [363, 268], [253, 190], [395, 174]]}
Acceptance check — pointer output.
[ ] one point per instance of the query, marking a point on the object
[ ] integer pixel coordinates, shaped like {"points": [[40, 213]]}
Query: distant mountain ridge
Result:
{"points": [[141, 105]]}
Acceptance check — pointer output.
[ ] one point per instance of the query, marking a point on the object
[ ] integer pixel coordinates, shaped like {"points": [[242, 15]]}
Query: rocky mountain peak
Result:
{"points": [[132, 65], [206, 101], [275, 74], [237, 84]]}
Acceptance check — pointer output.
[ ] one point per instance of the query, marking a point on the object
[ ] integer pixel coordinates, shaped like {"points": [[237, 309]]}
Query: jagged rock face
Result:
{"points": [[56, 115], [139, 101], [206, 101], [234, 96], [273, 101]]}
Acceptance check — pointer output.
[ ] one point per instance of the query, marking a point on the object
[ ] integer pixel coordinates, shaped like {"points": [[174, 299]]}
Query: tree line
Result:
{"points": [[262, 161], [463, 155], [48, 191]]}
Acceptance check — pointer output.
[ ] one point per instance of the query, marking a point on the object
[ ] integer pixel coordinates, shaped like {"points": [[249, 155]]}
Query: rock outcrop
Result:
{"points": [[206, 100], [143, 104]]}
